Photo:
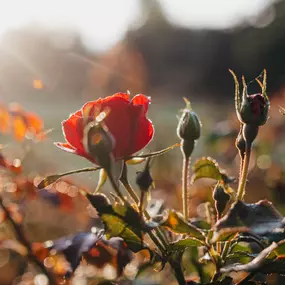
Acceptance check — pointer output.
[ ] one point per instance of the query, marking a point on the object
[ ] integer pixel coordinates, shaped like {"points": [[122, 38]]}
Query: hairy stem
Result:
{"points": [[243, 178], [22, 239], [185, 194]]}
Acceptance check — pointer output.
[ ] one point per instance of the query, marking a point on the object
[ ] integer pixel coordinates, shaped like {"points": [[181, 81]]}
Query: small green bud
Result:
{"points": [[144, 179], [188, 129], [189, 126]]}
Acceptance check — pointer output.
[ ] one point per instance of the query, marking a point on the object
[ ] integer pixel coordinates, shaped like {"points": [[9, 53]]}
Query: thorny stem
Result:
{"points": [[243, 178], [185, 194], [21, 237]]}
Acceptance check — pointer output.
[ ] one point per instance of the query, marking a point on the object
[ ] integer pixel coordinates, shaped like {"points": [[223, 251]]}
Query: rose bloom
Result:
{"points": [[126, 120]]}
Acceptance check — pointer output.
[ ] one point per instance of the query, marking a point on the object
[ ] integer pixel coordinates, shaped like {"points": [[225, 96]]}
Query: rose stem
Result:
{"points": [[178, 273], [136, 199], [21, 237], [161, 243], [242, 183], [185, 196]]}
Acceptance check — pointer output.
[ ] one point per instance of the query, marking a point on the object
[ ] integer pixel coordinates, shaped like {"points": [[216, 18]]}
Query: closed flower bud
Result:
{"points": [[144, 179], [188, 129], [99, 143], [254, 109], [189, 126]]}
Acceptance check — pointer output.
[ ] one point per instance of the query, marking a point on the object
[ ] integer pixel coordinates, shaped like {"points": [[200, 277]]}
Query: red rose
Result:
{"points": [[126, 122]]}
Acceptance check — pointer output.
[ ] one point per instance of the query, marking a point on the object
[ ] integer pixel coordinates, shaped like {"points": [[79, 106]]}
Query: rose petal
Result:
{"points": [[142, 100], [143, 135], [73, 131], [125, 96], [118, 122], [65, 146], [91, 109]]}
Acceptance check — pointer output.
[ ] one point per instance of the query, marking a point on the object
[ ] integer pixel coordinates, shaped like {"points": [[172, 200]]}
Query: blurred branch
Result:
{"points": [[21, 238]]}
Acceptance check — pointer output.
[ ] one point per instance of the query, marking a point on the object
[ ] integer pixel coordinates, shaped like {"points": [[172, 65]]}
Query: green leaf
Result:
{"points": [[186, 242], [120, 221], [261, 218], [228, 234], [116, 227], [280, 250], [176, 223], [241, 255], [259, 263], [206, 168], [52, 178]]}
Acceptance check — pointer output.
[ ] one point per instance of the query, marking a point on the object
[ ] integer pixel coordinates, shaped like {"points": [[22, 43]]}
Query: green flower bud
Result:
{"points": [[188, 129], [144, 179], [189, 126]]}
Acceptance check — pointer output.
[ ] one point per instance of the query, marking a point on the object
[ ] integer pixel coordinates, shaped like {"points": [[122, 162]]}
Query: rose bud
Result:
{"points": [[253, 109], [144, 179], [189, 126], [188, 129]]}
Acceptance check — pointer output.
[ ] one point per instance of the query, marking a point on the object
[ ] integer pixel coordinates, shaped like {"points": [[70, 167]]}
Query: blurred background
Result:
{"points": [[56, 55]]}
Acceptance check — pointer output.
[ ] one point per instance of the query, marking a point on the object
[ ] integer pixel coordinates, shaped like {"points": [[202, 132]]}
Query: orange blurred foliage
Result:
{"points": [[38, 84], [22, 124]]}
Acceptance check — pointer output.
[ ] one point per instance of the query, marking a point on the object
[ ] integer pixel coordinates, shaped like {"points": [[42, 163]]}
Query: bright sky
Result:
{"points": [[104, 22]]}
